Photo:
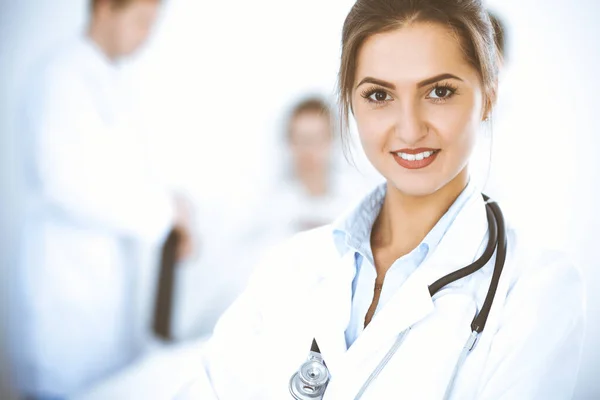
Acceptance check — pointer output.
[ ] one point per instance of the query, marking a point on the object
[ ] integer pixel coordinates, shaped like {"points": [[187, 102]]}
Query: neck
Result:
{"points": [[97, 33], [405, 220], [315, 182]]}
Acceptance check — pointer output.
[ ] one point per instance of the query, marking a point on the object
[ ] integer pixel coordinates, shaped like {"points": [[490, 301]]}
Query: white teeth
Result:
{"points": [[415, 157]]}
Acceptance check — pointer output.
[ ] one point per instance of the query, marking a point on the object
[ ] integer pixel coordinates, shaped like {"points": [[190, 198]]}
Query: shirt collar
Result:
{"points": [[352, 231]]}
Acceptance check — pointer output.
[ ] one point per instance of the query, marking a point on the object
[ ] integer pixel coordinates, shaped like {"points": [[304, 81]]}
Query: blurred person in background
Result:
{"points": [[92, 201], [312, 192]]}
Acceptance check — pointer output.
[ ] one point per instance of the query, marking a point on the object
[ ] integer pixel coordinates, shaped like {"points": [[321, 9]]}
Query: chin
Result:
{"points": [[414, 186], [129, 50]]}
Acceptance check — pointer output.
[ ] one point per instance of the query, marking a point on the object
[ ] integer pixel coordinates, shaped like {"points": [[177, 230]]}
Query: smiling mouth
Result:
{"points": [[415, 158]]}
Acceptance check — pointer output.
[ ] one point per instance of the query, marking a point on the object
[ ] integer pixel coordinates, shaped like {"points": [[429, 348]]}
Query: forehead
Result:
{"points": [[140, 6], [309, 123], [310, 119], [412, 53]]}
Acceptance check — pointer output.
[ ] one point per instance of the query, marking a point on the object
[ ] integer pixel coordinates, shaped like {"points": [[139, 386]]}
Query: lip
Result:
{"points": [[415, 151], [415, 164]]}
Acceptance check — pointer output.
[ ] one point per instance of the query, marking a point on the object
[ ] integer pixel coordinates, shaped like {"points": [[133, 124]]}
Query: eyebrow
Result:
{"points": [[425, 82]]}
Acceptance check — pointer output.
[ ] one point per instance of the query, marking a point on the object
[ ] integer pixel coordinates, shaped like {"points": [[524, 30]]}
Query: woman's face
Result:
{"points": [[418, 105]]}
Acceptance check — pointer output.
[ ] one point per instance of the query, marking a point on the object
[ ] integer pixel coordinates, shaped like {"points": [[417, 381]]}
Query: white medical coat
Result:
{"points": [[91, 199], [297, 210], [530, 348]]}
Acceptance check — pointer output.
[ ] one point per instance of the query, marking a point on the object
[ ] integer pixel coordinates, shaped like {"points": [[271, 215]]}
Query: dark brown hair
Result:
{"points": [[468, 19], [310, 105], [114, 3], [499, 33]]}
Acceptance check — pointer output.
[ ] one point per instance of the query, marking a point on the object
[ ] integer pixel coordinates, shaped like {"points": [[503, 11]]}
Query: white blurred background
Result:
{"points": [[217, 78]]}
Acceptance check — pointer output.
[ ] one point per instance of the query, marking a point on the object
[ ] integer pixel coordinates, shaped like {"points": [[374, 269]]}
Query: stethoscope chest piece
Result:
{"points": [[311, 379]]}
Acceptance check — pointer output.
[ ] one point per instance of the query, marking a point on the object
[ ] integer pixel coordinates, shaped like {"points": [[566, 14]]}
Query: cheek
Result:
{"points": [[456, 128], [131, 34], [122, 33], [374, 126]]}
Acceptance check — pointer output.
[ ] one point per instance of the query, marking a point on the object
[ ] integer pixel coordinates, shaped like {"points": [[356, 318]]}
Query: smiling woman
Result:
{"points": [[391, 287]]}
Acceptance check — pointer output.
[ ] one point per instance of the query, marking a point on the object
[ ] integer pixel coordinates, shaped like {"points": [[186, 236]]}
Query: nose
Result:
{"points": [[410, 126]]}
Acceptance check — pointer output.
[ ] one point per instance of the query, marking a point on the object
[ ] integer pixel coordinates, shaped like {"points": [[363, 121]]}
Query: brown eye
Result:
{"points": [[379, 96], [441, 93]]}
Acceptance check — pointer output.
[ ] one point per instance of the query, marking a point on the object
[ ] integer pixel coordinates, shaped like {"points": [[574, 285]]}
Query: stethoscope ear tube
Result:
{"points": [[496, 243], [479, 321], [479, 263]]}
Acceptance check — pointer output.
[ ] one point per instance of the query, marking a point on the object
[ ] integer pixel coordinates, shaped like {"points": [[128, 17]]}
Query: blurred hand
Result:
{"points": [[183, 228]]}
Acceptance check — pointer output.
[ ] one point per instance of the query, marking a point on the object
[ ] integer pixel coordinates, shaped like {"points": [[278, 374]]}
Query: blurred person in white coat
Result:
{"points": [[312, 190], [423, 290], [91, 201]]}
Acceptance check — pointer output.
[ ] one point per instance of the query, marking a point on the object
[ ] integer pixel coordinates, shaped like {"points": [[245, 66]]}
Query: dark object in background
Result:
{"points": [[163, 306]]}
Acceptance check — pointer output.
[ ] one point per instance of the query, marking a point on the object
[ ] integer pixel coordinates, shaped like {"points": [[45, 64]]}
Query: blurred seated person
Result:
{"points": [[313, 191]]}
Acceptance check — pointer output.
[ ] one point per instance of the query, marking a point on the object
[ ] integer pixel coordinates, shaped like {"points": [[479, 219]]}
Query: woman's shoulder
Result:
{"points": [[312, 244], [543, 289], [540, 265], [289, 268]]}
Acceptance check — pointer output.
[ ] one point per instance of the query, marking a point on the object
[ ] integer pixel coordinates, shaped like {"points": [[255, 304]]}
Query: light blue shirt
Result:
{"points": [[353, 233]]}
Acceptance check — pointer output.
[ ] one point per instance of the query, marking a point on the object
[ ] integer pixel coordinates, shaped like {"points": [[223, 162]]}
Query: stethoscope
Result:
{"points": [[311, 379]]}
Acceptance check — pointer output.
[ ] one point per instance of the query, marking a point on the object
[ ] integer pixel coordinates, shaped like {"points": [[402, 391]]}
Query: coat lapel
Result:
{"points": [[334, 298]]}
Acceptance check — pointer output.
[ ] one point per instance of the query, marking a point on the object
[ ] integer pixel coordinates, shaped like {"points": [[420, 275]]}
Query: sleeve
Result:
{"points": [[536, 352], [80, 170], [230, 356]]}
